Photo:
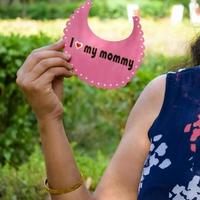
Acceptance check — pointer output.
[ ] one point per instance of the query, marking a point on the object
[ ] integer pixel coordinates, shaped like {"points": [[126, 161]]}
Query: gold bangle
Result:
{"points": [[62, 191]]}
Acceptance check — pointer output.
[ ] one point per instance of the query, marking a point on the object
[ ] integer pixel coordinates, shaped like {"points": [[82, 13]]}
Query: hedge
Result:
{"points": [[16, 183], [103, 9], [93, 118], [17, 122]]}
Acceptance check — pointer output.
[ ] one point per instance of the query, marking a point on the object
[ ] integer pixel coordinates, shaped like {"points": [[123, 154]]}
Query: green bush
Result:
{"points": [[93, 118], [43, 10], [40, 10], [155, 9], [17, 122], [103, 9], [91, 167], [26, 182]]}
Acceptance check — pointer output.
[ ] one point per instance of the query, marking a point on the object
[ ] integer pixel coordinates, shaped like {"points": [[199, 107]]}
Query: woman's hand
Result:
{"points": [[41, 79]]}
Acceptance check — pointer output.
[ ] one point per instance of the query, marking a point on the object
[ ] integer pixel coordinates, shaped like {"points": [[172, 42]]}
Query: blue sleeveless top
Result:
{"points": [[172, 168]]}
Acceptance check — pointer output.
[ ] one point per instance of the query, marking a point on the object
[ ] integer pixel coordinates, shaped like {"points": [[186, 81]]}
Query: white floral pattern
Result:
{"points": [[156, 157], [191, 192]]}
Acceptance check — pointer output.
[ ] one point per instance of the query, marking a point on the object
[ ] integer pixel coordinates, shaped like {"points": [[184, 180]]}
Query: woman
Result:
{"points": [[157, 156]]}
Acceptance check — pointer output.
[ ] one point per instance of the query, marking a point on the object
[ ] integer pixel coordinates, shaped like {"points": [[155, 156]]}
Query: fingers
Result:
{"points": [[59, 45], [36, 56], [25, 82], [42, 60], [58, 87], [51, 74], [46, 64]]}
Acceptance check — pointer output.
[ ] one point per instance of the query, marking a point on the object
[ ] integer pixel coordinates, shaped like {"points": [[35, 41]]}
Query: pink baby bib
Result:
{"points": [[101, 63]]}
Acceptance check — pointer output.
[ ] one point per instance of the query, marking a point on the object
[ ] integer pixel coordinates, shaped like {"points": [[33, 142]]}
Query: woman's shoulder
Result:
{"points": [[186, 70], [156, 88], [185, 76]]}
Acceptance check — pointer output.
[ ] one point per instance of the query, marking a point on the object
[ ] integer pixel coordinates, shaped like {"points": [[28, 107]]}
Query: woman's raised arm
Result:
{"points": [[41, 79], [122, 177]]}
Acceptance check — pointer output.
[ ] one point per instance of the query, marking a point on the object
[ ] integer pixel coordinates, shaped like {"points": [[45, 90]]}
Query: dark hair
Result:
{"points": [[195, 51], [192, 58]]}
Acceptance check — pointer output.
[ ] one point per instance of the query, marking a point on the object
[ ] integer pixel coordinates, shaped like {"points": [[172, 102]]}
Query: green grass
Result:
{"points": [[26, 181], [160, 36], [96, 130]]}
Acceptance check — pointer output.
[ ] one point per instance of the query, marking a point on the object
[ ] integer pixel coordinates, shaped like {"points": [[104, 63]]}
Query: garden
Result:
{"points": [[94, 119]]}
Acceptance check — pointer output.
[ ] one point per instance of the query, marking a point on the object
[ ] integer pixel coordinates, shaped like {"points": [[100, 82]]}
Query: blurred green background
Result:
{"points": [[94, 119]]}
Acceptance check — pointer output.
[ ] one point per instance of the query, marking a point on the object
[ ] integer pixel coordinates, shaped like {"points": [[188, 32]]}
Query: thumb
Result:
{"points": [[59, 45]]}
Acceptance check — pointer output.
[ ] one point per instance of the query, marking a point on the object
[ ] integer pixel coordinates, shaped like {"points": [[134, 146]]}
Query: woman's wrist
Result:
{"points": [[49, 121]]}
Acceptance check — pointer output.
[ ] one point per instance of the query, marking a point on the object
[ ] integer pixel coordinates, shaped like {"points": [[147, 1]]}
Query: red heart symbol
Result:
{"points": [[78, 45]]}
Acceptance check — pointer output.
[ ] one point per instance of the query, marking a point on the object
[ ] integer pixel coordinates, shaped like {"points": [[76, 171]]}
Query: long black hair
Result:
{"points": [[195, 51], [192, 57]]}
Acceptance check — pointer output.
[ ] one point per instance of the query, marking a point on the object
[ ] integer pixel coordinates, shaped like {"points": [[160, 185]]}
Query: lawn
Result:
{"points": [[90, 123], [160, 36]]}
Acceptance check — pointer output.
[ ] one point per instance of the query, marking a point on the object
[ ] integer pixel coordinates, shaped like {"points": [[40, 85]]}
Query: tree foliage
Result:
{"points": [[49, 9]]}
